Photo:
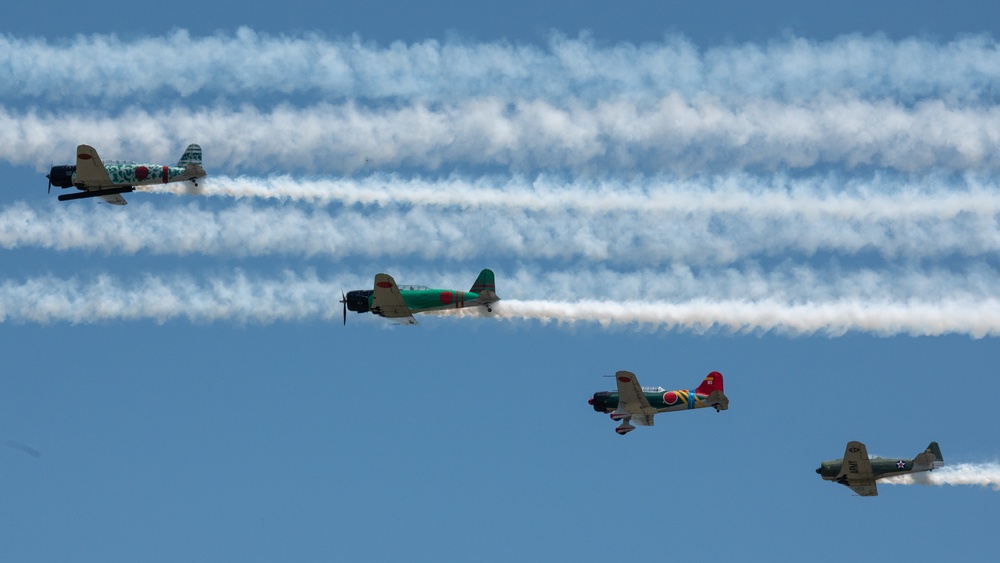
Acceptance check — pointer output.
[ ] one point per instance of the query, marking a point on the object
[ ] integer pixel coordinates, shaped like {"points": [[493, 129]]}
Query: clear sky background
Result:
{"points": [[801, 196]]}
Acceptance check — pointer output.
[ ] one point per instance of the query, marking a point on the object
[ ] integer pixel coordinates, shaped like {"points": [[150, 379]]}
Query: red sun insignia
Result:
{"points": [[670, 397], [447, 297], [624, 379], [384, 284], [141, 173], [82, 156]]}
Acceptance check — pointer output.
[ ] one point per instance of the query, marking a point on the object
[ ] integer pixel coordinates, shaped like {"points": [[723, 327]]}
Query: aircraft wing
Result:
{"points": [[90, 170], [632, 400], [389, 302], [856, 470], [114, 199]]}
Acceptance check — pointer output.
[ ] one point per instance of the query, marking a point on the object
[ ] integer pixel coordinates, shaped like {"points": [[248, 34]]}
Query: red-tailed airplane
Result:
{"points": [[639, 404]]}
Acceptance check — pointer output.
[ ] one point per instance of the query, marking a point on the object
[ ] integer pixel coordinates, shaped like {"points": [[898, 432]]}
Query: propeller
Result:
{"points": [[343, 299], [49, 177]]}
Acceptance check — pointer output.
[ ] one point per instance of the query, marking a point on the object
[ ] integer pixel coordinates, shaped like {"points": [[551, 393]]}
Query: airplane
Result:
{"points": [[395, 302], [639, 404], [860, 473], [108, 181]]}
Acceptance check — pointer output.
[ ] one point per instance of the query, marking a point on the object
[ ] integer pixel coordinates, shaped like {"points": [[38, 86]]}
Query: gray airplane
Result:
{"points": [[859, 472]]}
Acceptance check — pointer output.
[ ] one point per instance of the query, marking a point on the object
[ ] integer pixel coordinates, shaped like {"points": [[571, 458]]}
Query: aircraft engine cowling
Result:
{"points": [[600, 401], [62, 176], [357, 300]]}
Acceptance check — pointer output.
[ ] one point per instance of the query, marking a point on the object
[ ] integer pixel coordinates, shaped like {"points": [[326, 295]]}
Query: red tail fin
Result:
{"points": [[713, 382]]}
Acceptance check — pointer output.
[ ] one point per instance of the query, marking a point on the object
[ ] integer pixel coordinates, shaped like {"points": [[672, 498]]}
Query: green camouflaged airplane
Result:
{"points": [[109, 181], [640, 404], [860, 473], [398, 303]]}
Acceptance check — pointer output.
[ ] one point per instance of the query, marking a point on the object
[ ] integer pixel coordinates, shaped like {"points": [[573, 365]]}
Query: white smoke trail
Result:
{"points": [[298, 297], [982, 474], [954, 316], [773, 196], [965, 69], [792, 284], [673, 133], [236, 298], [843, 226]]}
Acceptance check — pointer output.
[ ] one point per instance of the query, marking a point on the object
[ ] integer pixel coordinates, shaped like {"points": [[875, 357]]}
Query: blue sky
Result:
{"points": [[803, 199]]}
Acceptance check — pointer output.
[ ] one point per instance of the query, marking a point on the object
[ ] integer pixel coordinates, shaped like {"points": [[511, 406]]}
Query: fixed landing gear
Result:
{"points": [[624, 428]]}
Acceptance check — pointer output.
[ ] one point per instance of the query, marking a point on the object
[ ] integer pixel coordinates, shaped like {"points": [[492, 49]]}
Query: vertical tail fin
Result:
{"points": [[484, 282], [712, 382], [192, 155], [933, 448]]}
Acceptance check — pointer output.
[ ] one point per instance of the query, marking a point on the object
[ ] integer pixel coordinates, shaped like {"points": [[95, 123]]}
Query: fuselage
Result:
{"points": [[128, 174], [438, 299], [661, 400], [881, 467], [418, 300]]}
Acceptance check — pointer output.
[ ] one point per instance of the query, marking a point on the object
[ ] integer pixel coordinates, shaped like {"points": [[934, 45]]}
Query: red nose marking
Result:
{"points": [[624, 379], [384, 284], [590, 401]]}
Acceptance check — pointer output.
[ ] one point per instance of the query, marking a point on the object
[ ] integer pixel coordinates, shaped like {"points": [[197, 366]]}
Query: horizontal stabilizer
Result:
{"points": [[719, 400], [929, 459]]}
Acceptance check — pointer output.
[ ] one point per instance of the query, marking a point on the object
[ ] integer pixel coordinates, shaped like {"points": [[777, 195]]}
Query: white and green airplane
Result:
{"points": [[108, 181]]}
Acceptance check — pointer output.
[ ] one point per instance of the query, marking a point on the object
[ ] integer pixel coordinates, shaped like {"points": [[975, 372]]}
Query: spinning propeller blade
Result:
{"points": [[343, 299]]}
